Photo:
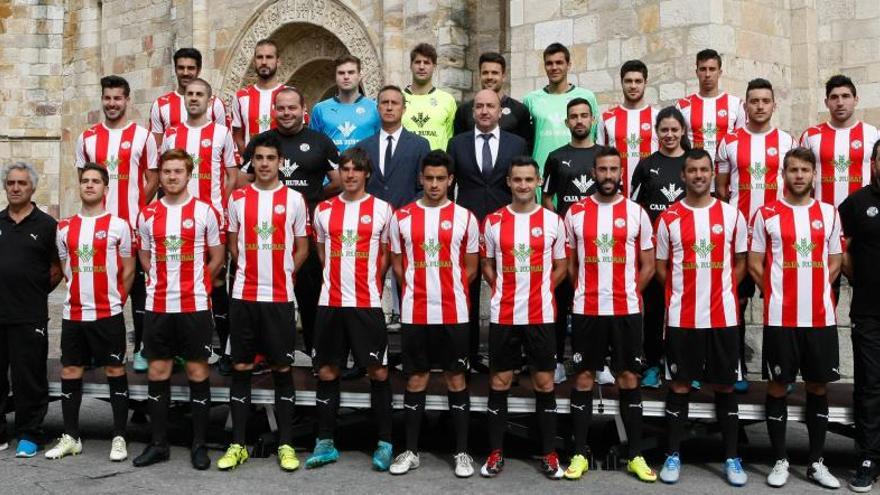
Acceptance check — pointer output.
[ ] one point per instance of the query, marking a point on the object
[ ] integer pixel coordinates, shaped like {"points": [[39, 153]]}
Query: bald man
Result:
{"points": [[482, 157]]}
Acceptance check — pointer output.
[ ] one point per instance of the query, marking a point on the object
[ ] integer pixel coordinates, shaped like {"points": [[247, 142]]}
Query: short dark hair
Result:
{"points": [[495, 58], [267, 140], [708, 54], [438, 158], [264, 42], [759, 83], [695, 154], [390, 87], [188, 53], [554, 48], [578, 101], [875, 151], [634, 66], [108, 82], [358, 157], [524, 161], [199, 80], [105, 176], [603, 151], [799, 153], [347, 59], [291, 89], [424, 49], [177, 154], [837, 81]]}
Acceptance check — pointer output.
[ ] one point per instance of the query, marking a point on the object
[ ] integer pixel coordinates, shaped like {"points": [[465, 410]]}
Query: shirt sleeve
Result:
{"points": [[212, 228], [646, 231], [848, 224], [236, 113], [229, 160], [662, 252], [389, 214], [246, 159], [450, 118], [125, 242], [834, 244], [301, 218], [740, 112], [601, 135], [559, 244], [232, 215], [741, 233], [488, 244], [144, 235], [550, 168], [150, 156], [473, 235], [61, 244], [569, 230], [320, 235], [220, 115], [81, 159], [316, 122], [758, 233], [722, 160], [635, 186], [394, 235], [156, 124], [332, 155]]}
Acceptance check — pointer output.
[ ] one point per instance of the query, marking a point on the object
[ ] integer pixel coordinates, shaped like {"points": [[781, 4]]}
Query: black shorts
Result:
{"points": [[93, 343], [594, 337], [812, 351], [359, 330], [746, 288], [427, 347], [266, 328], [508, 343], [710, 355], [188, 335]]}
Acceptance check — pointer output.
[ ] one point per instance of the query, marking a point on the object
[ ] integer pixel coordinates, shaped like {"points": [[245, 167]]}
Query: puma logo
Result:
{"points": [[494, 412], [674, 414], [463, 362], [41, 331], [292, 356], [821, 415], [203, 402], [835, 370], [411, 407], [375, 355], [34, 236], [779, 418], [117, 357], [579, 407], [288, 399], [636, 406], [550, 410], [242, 400], [65, 396], [733, 414], [154, 397], [460, 407], [326, 402], [123, 394], [638, 360], [654, 171], [209, 349]]}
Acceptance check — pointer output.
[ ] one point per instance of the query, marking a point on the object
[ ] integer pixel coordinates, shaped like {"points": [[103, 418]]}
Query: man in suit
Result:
{"points": [[396, 151], [482, 157]]}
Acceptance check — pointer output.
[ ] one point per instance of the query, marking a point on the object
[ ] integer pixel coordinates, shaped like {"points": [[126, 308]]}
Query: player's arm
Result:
{"points": [[151, 185], [739, 266], [384, 259], [722, 186], [489, 273], [560, 256], [334, 186], [647, 268], [756, 268], [145, 259], [232, 245], [741, 246], [560, 271], [846, 265], [660, 270], [301, 244], [127, 273], [231, 182], [216, 258], [550, 186], [238, 137], [573, 263], [471, 265], [56, 275]]}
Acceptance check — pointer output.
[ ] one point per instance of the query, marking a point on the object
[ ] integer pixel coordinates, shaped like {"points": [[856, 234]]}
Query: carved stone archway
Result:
{"points": [[306, 31]]}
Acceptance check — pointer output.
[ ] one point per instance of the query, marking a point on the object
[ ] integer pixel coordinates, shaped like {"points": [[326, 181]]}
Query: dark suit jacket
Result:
{"points": [[475, 193], [399, 185]]}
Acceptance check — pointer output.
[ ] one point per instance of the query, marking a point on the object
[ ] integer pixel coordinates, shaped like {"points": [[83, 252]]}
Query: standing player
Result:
{"points": [[794, 257], [657, 183], [524, 260], [568, 178], [429, 111], [548, 104], [435, 246], [612, 260], [95, 251], [267, 240], [749, 177], [710, 113], [701, 257], [349, 116], [170, 109], [253, 109], [180, 248], [352, 235], [842, 146], [629, 126], [128, 152]]}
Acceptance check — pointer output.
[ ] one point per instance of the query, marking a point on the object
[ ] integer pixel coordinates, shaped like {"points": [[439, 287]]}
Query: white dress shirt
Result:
{"points": [[493, 145], [383, 143]]}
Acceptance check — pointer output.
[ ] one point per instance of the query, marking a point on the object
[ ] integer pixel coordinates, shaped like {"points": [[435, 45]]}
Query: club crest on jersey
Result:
{"points": [[366, 219], [445, 225], [576, 358], [537, 232], [279, 209], [304, 147], [722, 113], [646, 126], [360, 110], [101, 234], [772, 151], [188, 223], [804, 246], [125, 145], [856, 144], [433, 101], [206, 143], [717, 228], [872, 211], [619, 223], [817, 224], [505, 111]]}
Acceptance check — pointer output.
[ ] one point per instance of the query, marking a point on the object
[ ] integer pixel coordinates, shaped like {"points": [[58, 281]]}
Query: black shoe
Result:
{"points": [[224, 366], [865, 476], [353, 373], [199, 458], [151, 455]]}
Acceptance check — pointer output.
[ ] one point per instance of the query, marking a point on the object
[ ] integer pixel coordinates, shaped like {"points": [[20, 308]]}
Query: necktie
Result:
{"points": [[388, 149], [487, 156]]}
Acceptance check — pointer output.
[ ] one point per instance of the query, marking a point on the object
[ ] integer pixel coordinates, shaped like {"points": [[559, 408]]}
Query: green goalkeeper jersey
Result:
{"points": [[548, 115], [431, 116]]}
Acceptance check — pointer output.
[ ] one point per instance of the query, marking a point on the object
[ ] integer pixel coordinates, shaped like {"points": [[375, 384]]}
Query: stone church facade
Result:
{"points": [[53, 53]]}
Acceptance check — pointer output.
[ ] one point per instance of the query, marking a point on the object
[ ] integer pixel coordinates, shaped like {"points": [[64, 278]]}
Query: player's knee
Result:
{"points": [[160, 369], [680, 387], [501, 381], [71, 372], [378, 373], [243, 366], [627, 380], [776, 390], [328, 373], [456, 382], [584, 381], [816, 388], [114, 371], [417, 382]]}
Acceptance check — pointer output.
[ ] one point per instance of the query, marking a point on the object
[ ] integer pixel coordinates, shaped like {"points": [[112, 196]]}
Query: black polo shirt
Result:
{"points": [[27, 250], [860, 219]]}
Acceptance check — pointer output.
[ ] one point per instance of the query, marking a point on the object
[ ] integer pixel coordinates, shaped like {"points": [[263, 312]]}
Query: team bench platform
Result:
{"points": [[356, 394]]}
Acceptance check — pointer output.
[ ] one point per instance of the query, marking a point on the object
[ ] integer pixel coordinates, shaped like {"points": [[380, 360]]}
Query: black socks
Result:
{"points": [[380, 401], [676, 416], [581, 416], [497, 412], [727, 415], [158, 399], [776, 412], [414, 409], [119, 403], [460, 408], [817, 424], [545, 405], [240, 404], [285, 400], [71, 398], [200, 408], [631, 414], [327, 404]]}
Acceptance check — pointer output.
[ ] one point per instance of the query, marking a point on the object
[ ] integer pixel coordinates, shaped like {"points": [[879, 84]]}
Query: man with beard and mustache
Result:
{"points": [[128, 152], [568, 178], [611, 263], [253, 108], [170, 109]]}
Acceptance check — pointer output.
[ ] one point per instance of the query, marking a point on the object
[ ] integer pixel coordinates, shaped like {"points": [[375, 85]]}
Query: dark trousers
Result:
{"points": [[564, 295], [24, 349], [138, 296], [474, 317], [866, 386], [308, 290], [654, 300]]}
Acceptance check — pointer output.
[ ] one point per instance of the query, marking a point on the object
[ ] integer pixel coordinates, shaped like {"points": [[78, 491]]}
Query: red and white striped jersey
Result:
{"points": [[708, 119], [797, 241], [253, 109], [434, 242], [212, 151], [632, 133], [91, 251], [353, 234], [170, 109], [843, 159], [266, 223], [698, 246], [754, 162], [127, 154], [524, 246], [178, 238], [608, 238]]}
